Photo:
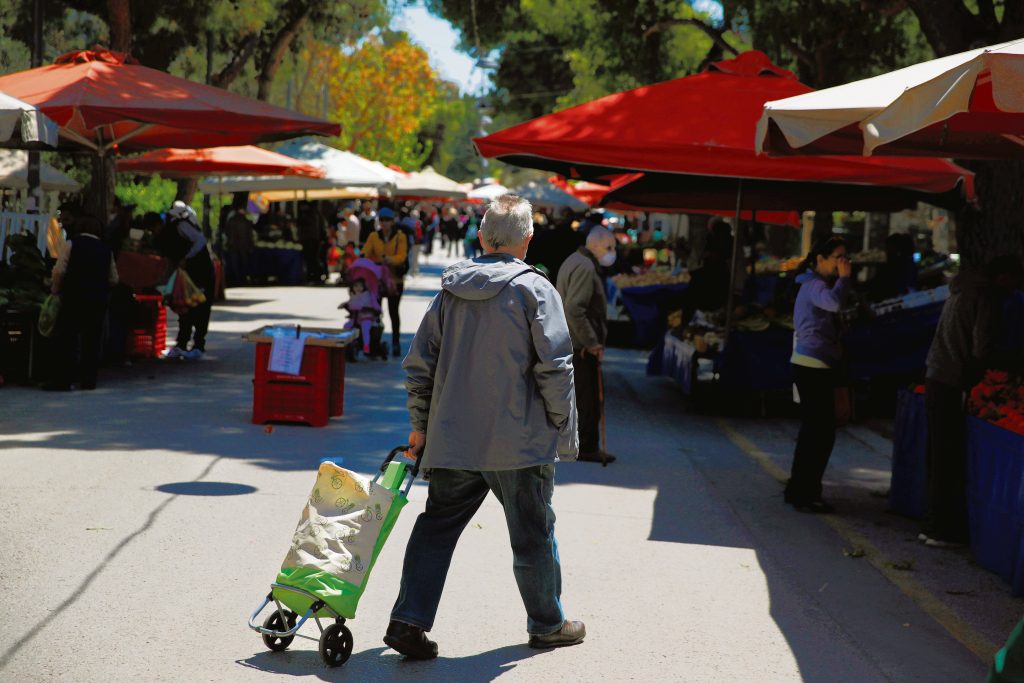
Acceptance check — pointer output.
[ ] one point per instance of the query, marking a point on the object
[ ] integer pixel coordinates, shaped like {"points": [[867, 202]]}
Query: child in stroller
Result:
{"points": [[367, 282]]}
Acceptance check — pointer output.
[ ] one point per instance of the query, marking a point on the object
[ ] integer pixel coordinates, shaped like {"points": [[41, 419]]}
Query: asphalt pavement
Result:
{"points": [[144, 521]]}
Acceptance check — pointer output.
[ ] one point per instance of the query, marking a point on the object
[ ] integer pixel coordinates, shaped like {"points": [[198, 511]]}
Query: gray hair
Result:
{"points": [[598, 236], [508, 221]]}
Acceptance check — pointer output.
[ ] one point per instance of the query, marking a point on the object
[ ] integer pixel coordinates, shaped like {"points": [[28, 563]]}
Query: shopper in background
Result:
{"points": [[83, 275], [389, 246], [450, 230], [187, 237], [965, 345], [240, 241], [817, 368], [367, 223], [586, 310]]}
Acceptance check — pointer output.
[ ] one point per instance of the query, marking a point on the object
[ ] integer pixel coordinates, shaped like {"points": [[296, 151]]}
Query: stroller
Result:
{"points": [[342, 530], [377, 281]]}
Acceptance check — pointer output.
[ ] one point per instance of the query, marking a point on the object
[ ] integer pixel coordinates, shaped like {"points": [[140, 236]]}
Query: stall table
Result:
{"points": [[995, 500], [649, 307], [314, 395], [284, 264], [892, 344]]}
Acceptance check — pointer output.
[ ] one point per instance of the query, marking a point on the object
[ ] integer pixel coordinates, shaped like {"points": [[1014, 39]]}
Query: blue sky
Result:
{"points": [[440, 40]]}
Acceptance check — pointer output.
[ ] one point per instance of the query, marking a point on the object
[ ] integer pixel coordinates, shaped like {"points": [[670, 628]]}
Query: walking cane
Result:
{"points": [[600, 398]]}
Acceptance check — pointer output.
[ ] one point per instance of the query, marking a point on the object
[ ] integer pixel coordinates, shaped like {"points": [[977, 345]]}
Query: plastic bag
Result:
{"points": [[48, 315], [185, 294]]}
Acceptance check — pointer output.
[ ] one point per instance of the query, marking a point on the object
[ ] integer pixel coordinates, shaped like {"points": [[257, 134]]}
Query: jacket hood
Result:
{"points": [[483, 277], [970, 279], [806, 276]]}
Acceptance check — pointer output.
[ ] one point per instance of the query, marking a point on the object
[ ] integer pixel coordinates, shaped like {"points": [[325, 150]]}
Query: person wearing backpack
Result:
{"points": [[185, 244]]}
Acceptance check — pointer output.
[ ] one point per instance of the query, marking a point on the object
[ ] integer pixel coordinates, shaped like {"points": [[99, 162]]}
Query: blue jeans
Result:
{"points": [[453, 498]]}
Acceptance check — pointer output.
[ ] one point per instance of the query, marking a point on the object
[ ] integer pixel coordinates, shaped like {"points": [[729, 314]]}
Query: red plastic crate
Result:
{"points": [[290, 402], [148, 338], [316, 366], [306, 397]]}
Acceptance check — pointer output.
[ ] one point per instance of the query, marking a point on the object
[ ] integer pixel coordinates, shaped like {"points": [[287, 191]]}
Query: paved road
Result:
{"points": [[144, 522]]}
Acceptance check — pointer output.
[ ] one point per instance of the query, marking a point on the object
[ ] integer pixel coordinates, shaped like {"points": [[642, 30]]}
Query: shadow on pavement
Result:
{"points": [[382, 663], [206, 488]]}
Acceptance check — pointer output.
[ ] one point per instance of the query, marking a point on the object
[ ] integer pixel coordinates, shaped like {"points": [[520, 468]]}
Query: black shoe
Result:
{"points": [[814, 507], [396, 349], [571, 633], [410, 641], [52, 386], [596, 456]]}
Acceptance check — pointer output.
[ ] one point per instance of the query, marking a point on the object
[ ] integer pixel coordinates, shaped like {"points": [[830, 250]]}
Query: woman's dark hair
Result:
{"points": [[824, 247], [150, 220]]}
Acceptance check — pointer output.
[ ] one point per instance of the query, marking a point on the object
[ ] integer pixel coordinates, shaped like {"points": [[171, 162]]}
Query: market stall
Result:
{"points": [[649, 299], [677, 156], [756, 358], [995, 471], [282, 262]]}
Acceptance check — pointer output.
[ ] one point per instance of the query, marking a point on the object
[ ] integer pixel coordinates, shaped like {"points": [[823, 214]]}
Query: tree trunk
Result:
{"points": [[298, 12], [233, 69], [100, 202], [119, 18], [996, 227], [187, 188]]}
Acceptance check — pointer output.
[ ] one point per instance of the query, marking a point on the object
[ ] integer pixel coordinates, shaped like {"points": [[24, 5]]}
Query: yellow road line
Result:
{"points": [[969, 637]]}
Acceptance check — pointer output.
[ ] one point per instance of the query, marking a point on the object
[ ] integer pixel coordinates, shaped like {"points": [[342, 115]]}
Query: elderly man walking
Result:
{"points": [[586, 310], [490, 384]]}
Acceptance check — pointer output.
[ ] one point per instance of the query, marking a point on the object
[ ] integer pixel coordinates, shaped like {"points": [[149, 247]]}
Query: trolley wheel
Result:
{"points": [[336, 644], [276, 623]]}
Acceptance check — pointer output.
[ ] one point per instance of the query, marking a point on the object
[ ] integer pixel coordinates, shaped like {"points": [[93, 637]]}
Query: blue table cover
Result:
{"points": [[892, 344], [995, 499], [677, 361], [284, 264], [908, 494], [649, 308], [756, 361]]}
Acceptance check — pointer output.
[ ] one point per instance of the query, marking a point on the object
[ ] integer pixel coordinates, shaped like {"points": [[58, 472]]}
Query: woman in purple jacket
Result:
{"points": [[817, 357]]}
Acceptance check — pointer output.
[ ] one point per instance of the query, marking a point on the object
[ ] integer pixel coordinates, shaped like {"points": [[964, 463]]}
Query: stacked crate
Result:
{"points": [[147, 333]]}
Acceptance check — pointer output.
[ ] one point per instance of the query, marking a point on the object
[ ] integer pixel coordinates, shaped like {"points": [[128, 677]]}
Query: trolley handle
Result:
{"points": [[414, 470]]}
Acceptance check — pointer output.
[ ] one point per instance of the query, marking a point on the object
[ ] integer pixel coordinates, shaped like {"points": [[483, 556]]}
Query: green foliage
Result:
{"points": [[830, 42], [450, 131], [151, 193], [557, 53]]}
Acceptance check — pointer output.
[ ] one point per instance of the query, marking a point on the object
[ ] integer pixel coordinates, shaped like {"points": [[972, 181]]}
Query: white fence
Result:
{"points": [[17, 223]]}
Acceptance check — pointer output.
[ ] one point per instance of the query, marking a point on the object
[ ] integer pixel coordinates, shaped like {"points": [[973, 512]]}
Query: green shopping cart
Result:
{"points": [[343, 528]]}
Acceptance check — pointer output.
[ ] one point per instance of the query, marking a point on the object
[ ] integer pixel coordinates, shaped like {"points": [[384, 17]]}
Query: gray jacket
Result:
{"points": [[586, 307], [489, 373], [968, 332]]}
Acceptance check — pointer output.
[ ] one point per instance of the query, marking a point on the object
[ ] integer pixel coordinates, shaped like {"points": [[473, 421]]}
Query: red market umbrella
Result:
{"points": [[588, 193], [704, 125], [217, 161], [105, 100], [630, 192]]}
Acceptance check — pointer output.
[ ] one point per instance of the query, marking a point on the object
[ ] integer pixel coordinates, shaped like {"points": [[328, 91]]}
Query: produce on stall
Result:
{"points": [[999, 399]]}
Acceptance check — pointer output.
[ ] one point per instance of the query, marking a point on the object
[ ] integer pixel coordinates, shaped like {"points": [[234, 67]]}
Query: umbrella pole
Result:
{"points": [[735, 259]]}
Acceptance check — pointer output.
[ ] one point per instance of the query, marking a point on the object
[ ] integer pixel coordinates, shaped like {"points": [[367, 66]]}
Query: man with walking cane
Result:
{"points": [[489, 376], [586, 311]]}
